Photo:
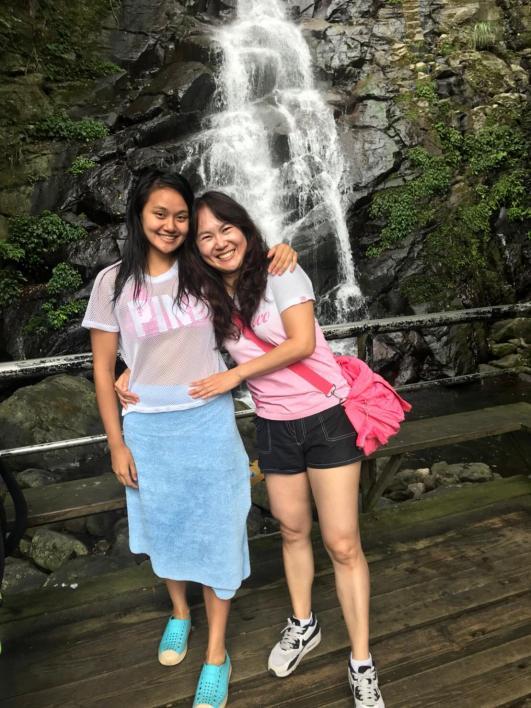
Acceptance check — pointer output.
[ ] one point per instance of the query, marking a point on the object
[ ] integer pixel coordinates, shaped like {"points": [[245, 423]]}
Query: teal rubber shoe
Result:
{"points": [[174, 643], [213, 685]]}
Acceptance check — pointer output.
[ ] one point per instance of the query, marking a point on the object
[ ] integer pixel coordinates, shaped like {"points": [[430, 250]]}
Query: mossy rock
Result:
{"points": [[486, 74], [58, 408], [36, 164], [17, 201], [3, 228], [502, 349], [23, 100], [517, 328]]}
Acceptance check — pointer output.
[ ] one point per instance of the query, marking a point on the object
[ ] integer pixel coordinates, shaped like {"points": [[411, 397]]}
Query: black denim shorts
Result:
{"points": [[321, 440]]}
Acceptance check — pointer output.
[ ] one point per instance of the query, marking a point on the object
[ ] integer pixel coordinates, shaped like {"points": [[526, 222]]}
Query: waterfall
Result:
{"points": [[273, 145]]}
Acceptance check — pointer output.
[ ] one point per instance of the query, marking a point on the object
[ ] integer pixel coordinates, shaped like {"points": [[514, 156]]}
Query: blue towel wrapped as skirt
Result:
{"points": [[189, 513]]}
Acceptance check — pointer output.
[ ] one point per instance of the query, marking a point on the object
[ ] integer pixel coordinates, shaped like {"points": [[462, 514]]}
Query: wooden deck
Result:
{"points": [[451, 621]]}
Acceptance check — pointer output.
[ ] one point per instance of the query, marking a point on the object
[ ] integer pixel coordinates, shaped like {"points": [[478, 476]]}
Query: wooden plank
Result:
{"points": [[428, 517], [381, 483], [479, 675], [142, 683], [322, 682], [412, 565], [458, 427], [447, 503], [249, 651], [70, 500], [414, 562]]}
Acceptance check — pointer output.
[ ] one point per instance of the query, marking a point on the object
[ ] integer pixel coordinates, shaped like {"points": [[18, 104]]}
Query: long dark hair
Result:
{"points": [[202, 281], [136, 248]]}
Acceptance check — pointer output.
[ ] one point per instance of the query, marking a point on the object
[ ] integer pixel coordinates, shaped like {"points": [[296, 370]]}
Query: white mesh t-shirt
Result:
{"points": [[165, 346]]}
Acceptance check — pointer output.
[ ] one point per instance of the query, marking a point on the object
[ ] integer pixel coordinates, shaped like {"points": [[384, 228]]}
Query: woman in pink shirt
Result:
{"points": [[305, 442]]}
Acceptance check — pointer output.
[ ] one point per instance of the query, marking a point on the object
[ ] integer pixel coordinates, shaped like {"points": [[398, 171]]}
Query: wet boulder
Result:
{"points": [[34, 477], [60, 407], [21, 576]]}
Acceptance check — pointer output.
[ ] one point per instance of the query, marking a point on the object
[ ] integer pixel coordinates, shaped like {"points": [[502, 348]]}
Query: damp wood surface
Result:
{"points": [[451, 620], [67, 500]]}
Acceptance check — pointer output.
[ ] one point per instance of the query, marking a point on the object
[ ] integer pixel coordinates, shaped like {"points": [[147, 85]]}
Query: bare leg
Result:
{"points": [[336, 496], [217, 612], [177, 592], [289, 496]]}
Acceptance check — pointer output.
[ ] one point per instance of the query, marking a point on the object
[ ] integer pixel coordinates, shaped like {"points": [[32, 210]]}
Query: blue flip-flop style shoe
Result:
{"points": [[213, 685], [174, 643]]}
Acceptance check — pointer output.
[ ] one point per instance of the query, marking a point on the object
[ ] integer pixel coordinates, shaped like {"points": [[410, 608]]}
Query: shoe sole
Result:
{"points": [[282, 673], [168, 657], [221, 705]]}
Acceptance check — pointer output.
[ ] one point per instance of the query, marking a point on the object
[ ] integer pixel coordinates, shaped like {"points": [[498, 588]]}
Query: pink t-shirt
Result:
{"points": [[283, 395]]}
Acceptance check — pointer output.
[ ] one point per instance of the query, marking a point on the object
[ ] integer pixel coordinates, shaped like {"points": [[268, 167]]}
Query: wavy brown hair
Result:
{"points": [[200, 280]]}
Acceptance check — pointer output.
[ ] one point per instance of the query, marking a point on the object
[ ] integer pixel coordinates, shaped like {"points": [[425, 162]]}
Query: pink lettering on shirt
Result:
{"points": [[261, 318], [159, 314]]}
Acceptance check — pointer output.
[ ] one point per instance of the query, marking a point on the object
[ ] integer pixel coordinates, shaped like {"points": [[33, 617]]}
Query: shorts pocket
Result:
{"points": [[336, 425], [263, 436]]}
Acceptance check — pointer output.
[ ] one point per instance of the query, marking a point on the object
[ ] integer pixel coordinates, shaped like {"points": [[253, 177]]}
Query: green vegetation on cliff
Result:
{"points": [[29, 258], [50, 53], [462, 181], [57, 38]]}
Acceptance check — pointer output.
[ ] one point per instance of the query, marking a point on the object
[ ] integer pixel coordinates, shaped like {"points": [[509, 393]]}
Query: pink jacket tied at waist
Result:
{"points": [[373, 406]]}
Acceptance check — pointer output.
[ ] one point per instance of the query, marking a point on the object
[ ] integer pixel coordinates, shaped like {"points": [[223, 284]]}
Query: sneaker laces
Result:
{"points": [[291, 635], [367, 685]]}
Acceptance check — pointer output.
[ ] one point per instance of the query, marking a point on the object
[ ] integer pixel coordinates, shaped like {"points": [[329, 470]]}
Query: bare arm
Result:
{"points": [[104, 350], [299, 326]]}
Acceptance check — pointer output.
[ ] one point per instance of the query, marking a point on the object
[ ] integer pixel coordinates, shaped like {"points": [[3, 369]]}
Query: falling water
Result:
{"points": [[274, 144]]}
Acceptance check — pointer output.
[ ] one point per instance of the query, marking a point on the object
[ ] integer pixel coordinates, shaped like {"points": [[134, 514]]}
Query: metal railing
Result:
{"points": [[364, 331]]}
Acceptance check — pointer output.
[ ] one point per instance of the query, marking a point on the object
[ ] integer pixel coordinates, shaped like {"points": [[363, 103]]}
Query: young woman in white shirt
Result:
{"points": [[173, 487]]}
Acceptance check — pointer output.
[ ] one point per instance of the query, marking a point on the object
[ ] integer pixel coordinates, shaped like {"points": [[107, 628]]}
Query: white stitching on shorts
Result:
{"points": [[340, 462]]}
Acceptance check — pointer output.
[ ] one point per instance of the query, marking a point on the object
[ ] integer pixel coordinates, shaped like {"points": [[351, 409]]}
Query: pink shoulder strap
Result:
{"points": [[305, 372]]}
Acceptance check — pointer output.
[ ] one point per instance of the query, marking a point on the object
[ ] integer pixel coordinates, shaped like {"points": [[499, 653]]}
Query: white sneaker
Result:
{"points": [[364, 686], [295, 643]]}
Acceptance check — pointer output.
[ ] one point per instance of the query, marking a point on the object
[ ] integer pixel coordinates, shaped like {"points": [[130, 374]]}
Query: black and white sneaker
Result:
{"points": [[364, 686], [295, 643]]}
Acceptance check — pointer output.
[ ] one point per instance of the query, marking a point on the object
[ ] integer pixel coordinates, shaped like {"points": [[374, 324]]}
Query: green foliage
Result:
{"points": [[65, 279], [80, 165], [426, 89], [60, 127], [411, 206], [447, 48], [27, 257], [58, 38], [485, 35], [57, 316], [493, 148], [11, 284], [460, 187], [37, 239]]}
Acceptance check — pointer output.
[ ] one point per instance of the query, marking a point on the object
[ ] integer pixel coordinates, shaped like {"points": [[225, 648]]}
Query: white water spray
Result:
{"points": [[274, 146]]}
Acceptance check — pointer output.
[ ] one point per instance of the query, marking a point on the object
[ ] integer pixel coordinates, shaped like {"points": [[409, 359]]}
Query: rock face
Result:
{"points": [[384, 67], [58, 408]]}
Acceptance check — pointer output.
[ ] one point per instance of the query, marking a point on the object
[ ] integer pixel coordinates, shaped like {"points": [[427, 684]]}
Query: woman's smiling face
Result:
{"points": [[221, 245], [165, 220]]}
